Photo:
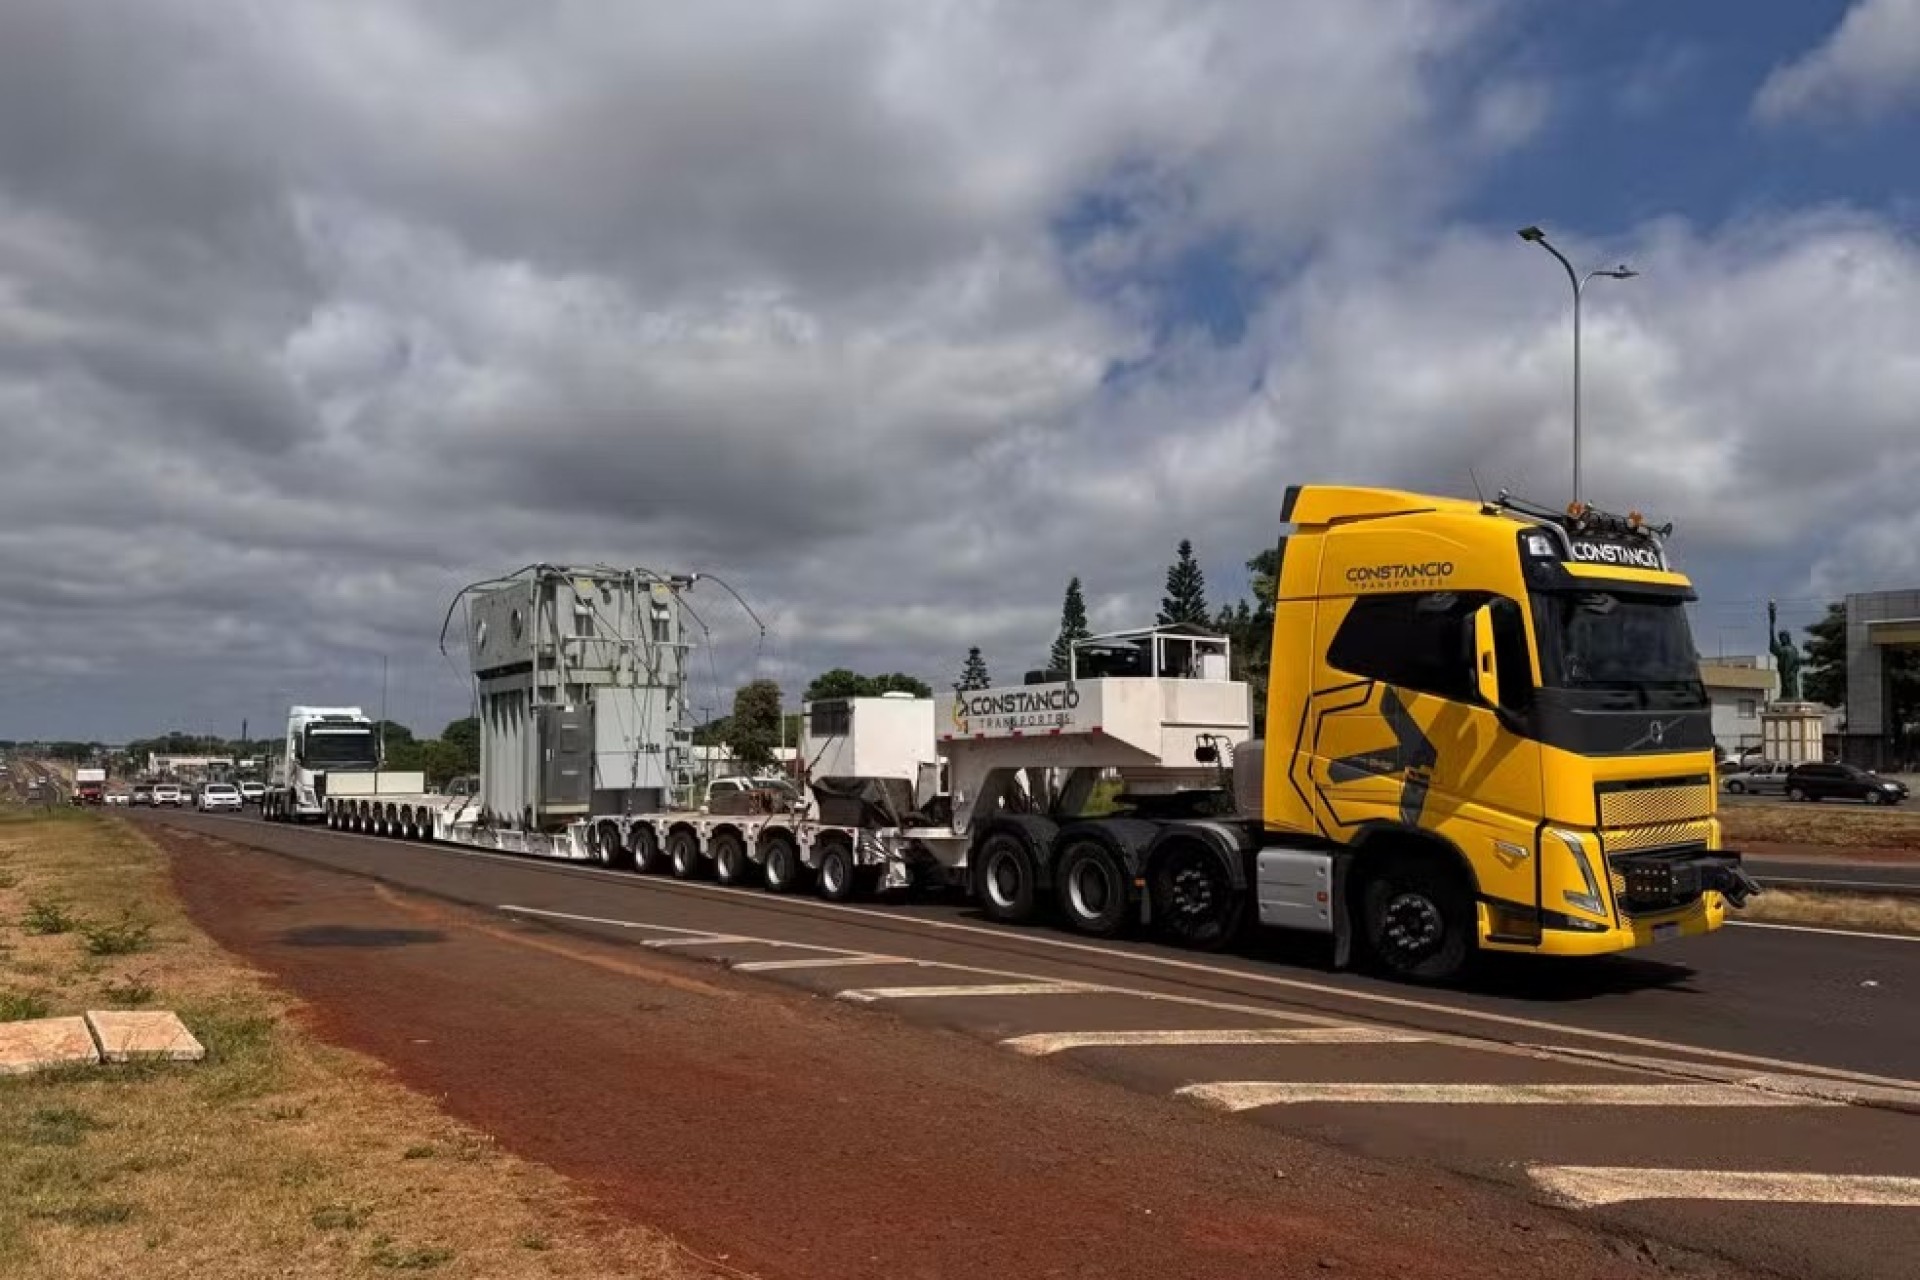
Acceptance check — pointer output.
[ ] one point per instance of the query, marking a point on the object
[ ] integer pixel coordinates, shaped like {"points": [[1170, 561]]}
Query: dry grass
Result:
{"points": [[277, 1155], [1835, 825], [1836, 910]]}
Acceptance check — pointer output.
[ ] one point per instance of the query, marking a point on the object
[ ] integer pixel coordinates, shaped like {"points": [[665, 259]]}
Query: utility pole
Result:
{"points": [[1534, 235], [383, 710]]}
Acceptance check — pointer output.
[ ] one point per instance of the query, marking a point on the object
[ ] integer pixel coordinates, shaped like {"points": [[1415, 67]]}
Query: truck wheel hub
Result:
{"points": [[1413, 922], [1192, 892]]}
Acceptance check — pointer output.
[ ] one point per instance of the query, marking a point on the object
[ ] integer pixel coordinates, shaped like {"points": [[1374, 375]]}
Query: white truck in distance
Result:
{"points": [[329, 752]]}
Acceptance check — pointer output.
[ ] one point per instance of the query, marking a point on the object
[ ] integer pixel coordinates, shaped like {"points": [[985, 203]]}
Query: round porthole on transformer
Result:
{"points": [[517, 622], [480, 634]]}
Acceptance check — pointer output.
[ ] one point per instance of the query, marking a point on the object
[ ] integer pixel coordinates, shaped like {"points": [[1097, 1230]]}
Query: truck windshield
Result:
{"points": [[1603, 641], [340, 748]]}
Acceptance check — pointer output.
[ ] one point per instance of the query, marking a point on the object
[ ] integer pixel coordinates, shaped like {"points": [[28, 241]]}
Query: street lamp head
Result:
{"points": [[1532, 234], [1621, 272]]}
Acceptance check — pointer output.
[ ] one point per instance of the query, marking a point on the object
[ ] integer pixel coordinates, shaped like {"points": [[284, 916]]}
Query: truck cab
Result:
{"points": [[1494, 712]]}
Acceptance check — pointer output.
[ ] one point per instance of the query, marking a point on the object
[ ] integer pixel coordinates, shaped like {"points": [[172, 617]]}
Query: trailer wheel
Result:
{"points": [[1092, 889], [1194, 902], [839, 878], [730, 862], [1004, 884], [683, 851], [784, 870], [647, 858], [1418, 920]]}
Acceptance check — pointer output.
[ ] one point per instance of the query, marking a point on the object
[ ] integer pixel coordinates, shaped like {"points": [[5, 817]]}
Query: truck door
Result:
{"points": [[1402, 737]]}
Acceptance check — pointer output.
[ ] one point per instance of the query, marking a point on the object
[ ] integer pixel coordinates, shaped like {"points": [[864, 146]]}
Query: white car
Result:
{"points": [[250, 792], [219, 795], [119, 797], [167, 793]]}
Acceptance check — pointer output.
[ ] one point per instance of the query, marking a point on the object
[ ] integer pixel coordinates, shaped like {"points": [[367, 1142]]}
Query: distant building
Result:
{"points": [[1738, 690], [186, 766]]}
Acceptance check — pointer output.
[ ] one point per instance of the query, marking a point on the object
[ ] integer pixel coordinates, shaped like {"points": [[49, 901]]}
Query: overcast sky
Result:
{"points": [[895, 315]]}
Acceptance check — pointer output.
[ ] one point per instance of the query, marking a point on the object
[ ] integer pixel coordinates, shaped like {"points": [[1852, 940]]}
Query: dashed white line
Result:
{"points": [[1590, 1186], [869, 995], [1244, 1095], [703, 940], [1044, 1043], [612, 923], [820, 962]]}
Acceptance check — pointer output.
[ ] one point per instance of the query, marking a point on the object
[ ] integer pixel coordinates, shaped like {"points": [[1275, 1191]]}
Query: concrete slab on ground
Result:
{"points": [[146, 1035], [40, 1043]]}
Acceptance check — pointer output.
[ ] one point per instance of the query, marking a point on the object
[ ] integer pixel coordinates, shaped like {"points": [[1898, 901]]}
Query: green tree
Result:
{"points": [[1824, 678], [1073, 626], [1186, 598], [463, 736], [753, 731], [837, 683], [842, 683], [974, 674]]}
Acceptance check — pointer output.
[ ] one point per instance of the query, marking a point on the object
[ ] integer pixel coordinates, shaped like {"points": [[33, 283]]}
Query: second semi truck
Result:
{"points": [[1485, 731]]}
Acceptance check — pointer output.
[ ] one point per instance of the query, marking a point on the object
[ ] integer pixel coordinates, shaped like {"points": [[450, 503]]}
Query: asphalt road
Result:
{"points": [[1756, 1093], [1895, 879]]}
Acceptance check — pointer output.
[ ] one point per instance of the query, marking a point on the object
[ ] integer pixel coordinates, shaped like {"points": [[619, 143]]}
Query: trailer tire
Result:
{"points": [[645, 847], [785, 872], [1195, 903], [1417, 919], [1091, 887], [683, 851], [1006, 883], [730, 862], [839, 878]]}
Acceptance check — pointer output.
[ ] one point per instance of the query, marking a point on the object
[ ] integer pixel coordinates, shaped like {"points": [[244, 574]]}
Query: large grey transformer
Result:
{"points": [[580, 678]]}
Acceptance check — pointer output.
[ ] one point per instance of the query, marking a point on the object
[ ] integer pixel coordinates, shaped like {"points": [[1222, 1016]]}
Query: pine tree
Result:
{"points": [[1824, 679], [1186, 598], [1073, 626], [974, 674]]}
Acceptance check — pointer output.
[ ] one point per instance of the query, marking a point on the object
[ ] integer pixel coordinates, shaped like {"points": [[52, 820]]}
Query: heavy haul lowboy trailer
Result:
{"points": [[1485, 732]]}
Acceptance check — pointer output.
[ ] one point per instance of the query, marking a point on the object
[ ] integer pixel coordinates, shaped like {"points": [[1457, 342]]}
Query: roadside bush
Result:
{"points": [[45, 916], [122, 937], [134, 992]]}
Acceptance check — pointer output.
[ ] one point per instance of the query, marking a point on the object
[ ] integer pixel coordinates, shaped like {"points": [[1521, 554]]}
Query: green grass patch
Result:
{"points": [[22, 1006], [132, 991], [419, 1258], [61, 1127]]}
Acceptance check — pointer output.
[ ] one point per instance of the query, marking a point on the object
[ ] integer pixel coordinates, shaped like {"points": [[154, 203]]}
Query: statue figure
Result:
{"points": [[1786, 655]]}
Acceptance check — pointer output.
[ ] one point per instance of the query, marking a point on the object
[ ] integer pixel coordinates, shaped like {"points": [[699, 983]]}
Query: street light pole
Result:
{"points": [[1535, 235]]}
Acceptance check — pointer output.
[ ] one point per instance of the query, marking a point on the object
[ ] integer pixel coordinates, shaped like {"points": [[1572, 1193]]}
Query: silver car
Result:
{"points": [[219, 795], [1766, 778]]}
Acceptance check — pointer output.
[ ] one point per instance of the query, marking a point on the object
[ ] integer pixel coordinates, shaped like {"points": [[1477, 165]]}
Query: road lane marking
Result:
{"points": [[820, 962], [1838, 933], [1771, 1082], [869, 995], [1590, 1186], [1043, 1043], [703, 940], [1244, 1095], [897, 920], [568, 915]]}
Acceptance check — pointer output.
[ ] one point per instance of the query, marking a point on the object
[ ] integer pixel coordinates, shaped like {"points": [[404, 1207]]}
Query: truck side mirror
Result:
{"points": [[1486, 666]]}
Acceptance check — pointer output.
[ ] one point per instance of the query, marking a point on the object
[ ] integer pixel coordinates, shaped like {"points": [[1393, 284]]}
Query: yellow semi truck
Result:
{"points": [[1493, 713]]}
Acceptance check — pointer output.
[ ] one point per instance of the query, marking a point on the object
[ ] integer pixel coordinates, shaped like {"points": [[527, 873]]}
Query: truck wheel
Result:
{"points": [[1194, 902], [1418, 920], [683, 850], [1092, 889], [647, 858], [1004, 884], [730, 862], [784, 870], [839, 879]]}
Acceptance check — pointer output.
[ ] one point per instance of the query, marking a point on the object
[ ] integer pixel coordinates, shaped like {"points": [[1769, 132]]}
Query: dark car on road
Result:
{"points": [[1842, 782]]}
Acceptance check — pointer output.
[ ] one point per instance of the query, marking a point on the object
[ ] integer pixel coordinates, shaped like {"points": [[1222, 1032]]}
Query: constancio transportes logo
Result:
{"points": [[1044, 706], [1399, 575]]}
